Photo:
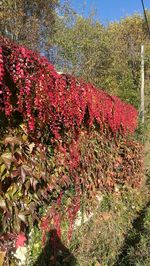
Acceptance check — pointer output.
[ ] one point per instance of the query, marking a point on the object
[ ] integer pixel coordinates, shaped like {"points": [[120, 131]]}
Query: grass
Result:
{"points": [[138, 253], [102, 240], [136, 250]]}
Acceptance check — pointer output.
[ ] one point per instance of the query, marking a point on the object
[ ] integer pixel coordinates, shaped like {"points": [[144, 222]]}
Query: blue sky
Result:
{"points": [[109, 10]]}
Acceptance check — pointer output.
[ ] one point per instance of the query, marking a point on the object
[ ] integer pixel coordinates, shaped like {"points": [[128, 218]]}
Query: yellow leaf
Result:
{"points": [[2, 168], [2, 257]]}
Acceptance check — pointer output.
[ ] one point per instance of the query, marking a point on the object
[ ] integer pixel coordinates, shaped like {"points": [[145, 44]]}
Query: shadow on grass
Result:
{"points": [[55, 253], [132, 239]]}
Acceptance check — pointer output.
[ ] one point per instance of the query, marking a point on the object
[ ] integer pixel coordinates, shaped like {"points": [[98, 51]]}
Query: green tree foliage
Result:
{"points": [[82, 47], [126, 38], [28, 22], [147, 71], [107, 56]]}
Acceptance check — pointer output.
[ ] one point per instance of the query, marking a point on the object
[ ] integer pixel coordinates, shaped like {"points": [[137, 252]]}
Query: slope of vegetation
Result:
{"points": [[63, 141], [68, 148]]}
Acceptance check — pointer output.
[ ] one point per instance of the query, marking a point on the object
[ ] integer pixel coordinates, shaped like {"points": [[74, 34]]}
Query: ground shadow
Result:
{"points": [[132, 240], [55, 253]]}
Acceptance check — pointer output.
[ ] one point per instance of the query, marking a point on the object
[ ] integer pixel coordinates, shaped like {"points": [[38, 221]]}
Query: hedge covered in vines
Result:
{"points": [[63, 141]]}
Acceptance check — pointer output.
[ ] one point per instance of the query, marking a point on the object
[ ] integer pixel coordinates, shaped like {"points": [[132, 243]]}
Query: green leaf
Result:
{"points": [[3, 171], [2, 168]]}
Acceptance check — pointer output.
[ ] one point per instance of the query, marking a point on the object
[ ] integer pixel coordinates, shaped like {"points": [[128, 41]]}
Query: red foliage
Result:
{"points": [[45, 225], [31, 86], [20, 240], [72, 212], [44, 97]]}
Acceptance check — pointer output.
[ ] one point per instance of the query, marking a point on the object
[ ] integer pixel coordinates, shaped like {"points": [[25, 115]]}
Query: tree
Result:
{"points": [[28, 22], [125, 41], [81, 47], [109, 57]]}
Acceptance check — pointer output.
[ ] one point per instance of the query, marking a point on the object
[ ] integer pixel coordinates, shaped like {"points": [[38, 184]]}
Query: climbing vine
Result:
{"points": [[63, 141]]}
